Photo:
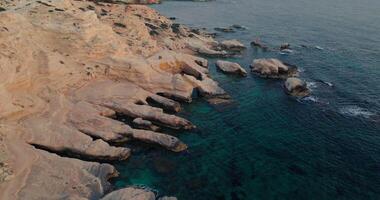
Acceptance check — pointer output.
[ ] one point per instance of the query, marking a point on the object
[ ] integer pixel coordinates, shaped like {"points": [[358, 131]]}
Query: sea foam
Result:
{"points": [[356, 111]]}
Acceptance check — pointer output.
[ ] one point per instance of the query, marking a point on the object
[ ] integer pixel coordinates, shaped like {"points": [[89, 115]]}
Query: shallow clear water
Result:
{"points": [[268, 145]]}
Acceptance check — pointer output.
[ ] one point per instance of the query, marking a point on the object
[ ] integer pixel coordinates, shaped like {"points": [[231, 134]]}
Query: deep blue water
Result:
{"points": [[268, 145]]}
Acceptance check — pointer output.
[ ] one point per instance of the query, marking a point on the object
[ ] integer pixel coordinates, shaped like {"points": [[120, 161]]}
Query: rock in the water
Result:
{"points": [[285, 46], [239, 27], [296, 87], [258, 44], [145, 124], [220, 100], [130, 194], [225, 29], [231, 67], [232, 45], [273, 68], [168, 198]]}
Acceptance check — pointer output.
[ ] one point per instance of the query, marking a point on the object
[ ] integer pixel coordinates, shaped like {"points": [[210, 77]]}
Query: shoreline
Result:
{"points": [[66, 51]]}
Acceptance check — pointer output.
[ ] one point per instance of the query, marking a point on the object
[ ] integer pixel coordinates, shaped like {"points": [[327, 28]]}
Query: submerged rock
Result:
{"points": [[219, 100], [239, 27], [273, 68], [231, 68], [163, 165], [296, 87], [225, 29]]}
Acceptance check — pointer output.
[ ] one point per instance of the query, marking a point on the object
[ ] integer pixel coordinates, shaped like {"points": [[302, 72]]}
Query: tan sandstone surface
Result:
{"points": [[67, 67]]}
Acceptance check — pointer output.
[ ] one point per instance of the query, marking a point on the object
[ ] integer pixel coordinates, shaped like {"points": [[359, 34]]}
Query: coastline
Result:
{"points": [[91, 95], [78, 64]]}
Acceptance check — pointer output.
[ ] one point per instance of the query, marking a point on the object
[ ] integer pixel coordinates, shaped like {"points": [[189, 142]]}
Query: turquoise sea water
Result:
{"points": [[268, 145]]}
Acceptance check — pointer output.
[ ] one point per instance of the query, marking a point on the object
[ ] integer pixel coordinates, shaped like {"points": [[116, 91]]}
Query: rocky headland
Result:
{"points": [[68, 68]]}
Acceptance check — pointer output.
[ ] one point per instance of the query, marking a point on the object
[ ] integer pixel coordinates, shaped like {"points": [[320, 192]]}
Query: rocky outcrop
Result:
{"points": [[165, 103], [68, 70], [145, 124], [167, 198], [130, 194], [296, 87], [232, 45], [225, 29], [230, 67], [49, 176], [284, 46], [260, 45], [211, 48], [92, 120], [130, 1], [273, 68]]}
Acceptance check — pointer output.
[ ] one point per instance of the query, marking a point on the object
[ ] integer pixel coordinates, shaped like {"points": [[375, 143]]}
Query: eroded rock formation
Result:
{"points": [[273, 68], [68, 69], [296, 87], [130, 194], [230, 68]]}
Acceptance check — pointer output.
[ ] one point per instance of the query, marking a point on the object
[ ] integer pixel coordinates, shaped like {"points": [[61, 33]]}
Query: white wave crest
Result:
{"points": [[329, 84], [311, 85], [319, 47], [311, 98], [356, 111]]}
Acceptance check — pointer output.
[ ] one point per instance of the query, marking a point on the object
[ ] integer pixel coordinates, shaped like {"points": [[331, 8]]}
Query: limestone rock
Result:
{"points": [[147, 112], [296, 87], [87, 119], [93, 59], [131, 1], [145, 124], [165, 103], [46, 134], [130, 194], [54, 177], [230, 67], [167, 198], [232, 45], [170, 142], [273, 68], [210, 49], [285, 46]]}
